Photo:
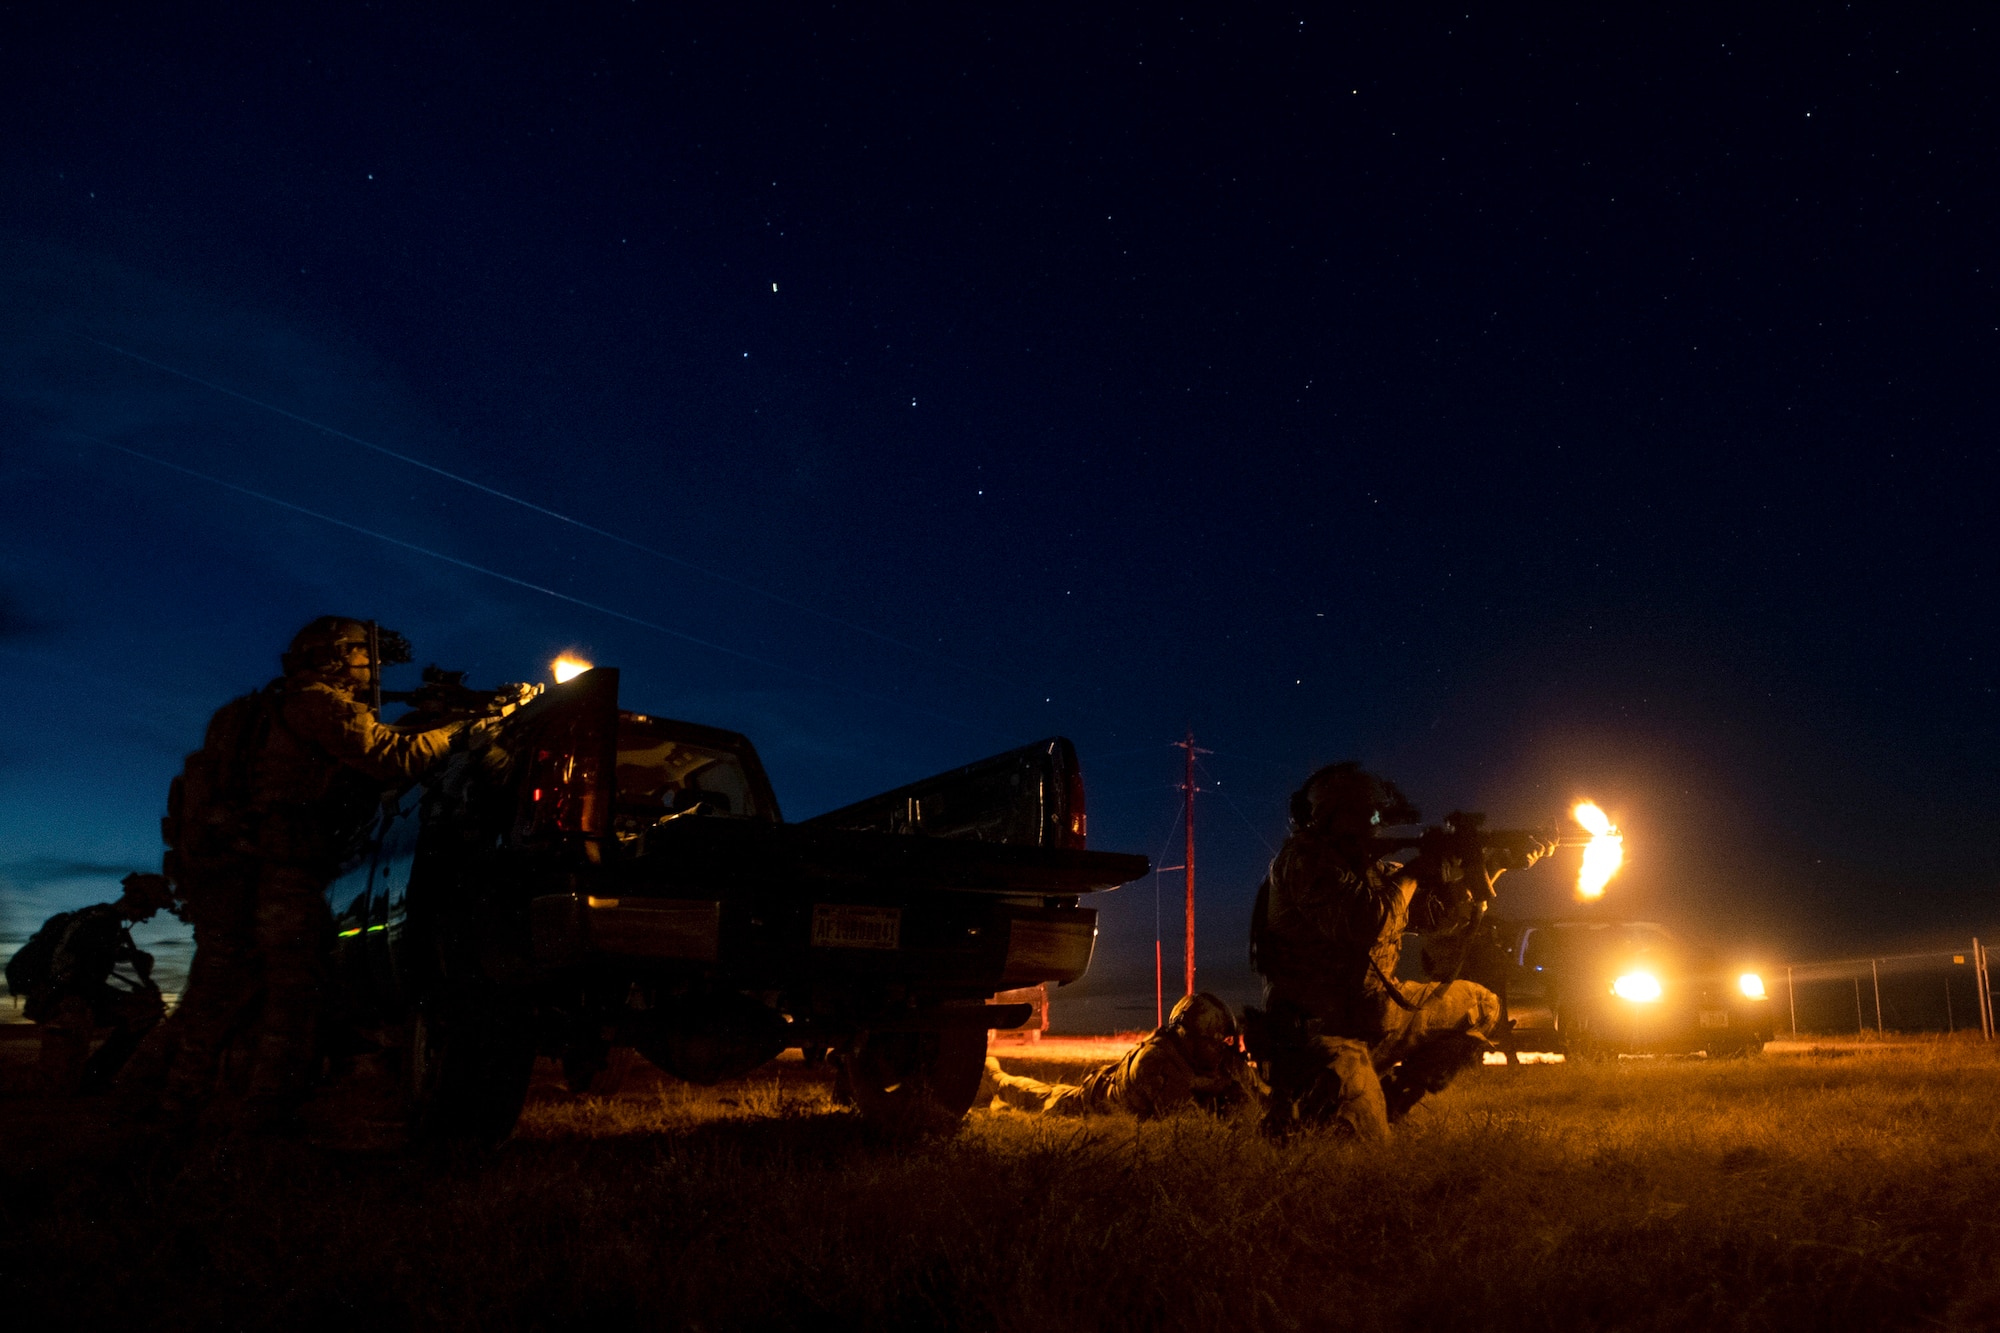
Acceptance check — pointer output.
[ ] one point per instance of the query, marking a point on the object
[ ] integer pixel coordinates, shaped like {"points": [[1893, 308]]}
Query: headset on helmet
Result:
{"points": [[1348, 786]]}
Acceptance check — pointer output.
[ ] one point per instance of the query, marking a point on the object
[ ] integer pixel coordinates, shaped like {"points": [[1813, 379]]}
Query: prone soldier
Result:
{"points": [[70, 973], [1190, 1061], [1347, 1044]]}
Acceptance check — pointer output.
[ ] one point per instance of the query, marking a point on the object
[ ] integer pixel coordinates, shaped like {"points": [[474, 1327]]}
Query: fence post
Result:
{"points": [[1792, 998], [1949, 1026], [1979, 974], [1875, 971], [1979, 990], [1978, 986], [1860, 1026]]}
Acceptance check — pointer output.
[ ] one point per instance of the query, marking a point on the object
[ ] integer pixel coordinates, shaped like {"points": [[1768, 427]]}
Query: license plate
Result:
{"points": [[839, 926], [1715, 1018]]}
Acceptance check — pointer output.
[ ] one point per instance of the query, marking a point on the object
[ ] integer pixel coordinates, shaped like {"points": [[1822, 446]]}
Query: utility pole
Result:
{"points": [[1187, 791]]}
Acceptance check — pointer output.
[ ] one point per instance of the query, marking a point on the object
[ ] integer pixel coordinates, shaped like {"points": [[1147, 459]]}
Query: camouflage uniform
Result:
{"points": [[83, 993], [258, 906], [1157, 1077], [218, 897], [318, 778], [1332, 938]]}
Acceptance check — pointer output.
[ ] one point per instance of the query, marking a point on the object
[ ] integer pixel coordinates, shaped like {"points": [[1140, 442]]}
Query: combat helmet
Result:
{"points": [[1349, 787], [323, 645], [1203, 1017], [146, 894]]}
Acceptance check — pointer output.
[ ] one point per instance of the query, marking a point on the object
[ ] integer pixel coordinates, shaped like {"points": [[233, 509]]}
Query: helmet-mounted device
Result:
{"points": [[323, 646]]}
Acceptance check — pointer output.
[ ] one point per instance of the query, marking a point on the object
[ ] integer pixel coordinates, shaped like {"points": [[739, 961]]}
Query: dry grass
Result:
{"points": [[1849, 1188]]}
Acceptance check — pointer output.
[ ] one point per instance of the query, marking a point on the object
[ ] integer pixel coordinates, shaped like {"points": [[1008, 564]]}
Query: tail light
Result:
{"points": [[1076, 821]]}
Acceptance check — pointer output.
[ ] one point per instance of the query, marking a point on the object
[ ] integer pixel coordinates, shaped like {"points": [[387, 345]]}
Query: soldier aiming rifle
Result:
{"points": [[257, 826], [1347, 1044], [1191, 1060]]}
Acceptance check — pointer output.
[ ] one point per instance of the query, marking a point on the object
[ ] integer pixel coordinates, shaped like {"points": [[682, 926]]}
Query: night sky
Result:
{"points": [[1531, 405]]}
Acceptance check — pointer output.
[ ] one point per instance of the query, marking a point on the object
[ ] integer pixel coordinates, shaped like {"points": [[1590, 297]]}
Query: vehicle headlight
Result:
{"points": [[1751, 985], [1641, 987]]}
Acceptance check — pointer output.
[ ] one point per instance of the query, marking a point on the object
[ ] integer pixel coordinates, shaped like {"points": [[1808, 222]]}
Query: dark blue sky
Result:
{"points": [[1529, 405]]}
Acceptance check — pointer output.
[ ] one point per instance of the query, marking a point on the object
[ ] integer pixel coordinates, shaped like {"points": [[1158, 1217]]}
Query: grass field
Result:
{"points": [[1850, 1186]]}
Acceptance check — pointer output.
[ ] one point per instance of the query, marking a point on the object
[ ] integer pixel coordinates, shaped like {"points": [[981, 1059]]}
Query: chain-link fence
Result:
{"points": [[1947, 991]]}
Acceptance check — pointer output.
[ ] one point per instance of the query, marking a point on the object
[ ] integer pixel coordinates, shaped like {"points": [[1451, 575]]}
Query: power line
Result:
{"points": [[546, 512], [531, 587], [1254, 830]]}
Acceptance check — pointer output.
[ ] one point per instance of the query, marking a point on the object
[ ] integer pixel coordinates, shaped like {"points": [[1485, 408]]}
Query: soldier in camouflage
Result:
{"points": [[1190, 1061], [81, 973], [1347, 1044], [315, 763]]}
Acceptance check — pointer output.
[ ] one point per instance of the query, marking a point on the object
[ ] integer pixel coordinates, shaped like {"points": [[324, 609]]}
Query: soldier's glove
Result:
{"points": [[513, 695], [1524, 852], [475, 733]]}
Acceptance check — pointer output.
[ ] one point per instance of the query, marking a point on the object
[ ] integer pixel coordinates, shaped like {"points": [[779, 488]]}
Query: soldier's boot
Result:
{"points": [[1016, 1090], [1431, 1069], [989, 1084]]}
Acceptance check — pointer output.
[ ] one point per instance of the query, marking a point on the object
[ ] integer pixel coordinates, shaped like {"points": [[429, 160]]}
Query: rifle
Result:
{"points": [[1462, 848], [1455, 865], [444, 697]]}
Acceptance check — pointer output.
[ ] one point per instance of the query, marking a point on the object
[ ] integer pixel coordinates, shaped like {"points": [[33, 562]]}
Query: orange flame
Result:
{"points": [[567, 668], [1604, 853]]}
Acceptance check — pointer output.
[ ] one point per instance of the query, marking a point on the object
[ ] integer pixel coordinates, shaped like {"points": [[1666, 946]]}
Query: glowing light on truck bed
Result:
{"points": [[1602, 855], [566, 668]]}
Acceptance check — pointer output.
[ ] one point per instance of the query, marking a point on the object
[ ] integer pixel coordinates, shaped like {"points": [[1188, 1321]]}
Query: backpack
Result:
{"points": [[208, 805], [28, 971]]}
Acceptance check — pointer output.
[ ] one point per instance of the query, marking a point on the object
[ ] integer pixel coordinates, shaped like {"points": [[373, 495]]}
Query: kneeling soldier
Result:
{"points": [[1347, 1044], [69, 972]]}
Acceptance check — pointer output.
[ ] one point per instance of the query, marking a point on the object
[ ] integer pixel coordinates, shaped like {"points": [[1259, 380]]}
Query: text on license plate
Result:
{"points": [[1715, 1018], [841, 926]]}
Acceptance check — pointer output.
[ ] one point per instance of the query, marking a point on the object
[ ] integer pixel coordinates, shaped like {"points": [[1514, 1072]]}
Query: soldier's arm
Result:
{"points": [[348, 730], [130, 954], [1157, 1083]]}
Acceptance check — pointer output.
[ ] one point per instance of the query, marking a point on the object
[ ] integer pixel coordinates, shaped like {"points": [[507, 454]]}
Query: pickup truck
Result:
{"points": [[587, 879], [1597, 989]]}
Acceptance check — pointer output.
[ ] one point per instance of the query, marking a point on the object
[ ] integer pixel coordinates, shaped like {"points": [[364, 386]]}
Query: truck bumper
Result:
{"points": [[1012, 946]]}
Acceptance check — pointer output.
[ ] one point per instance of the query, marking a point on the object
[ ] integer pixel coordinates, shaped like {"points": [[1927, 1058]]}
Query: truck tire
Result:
{"points": [[916, 1081], [467, 1068], [603, 1076], [1580, 1046]]}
